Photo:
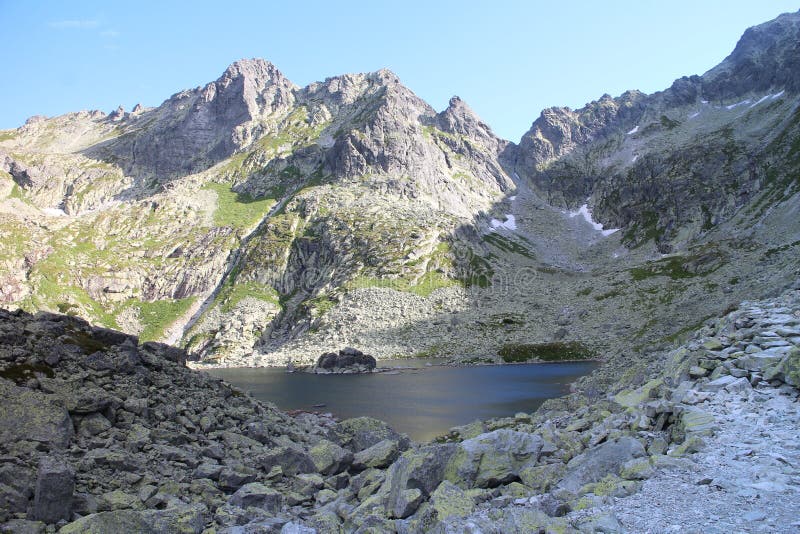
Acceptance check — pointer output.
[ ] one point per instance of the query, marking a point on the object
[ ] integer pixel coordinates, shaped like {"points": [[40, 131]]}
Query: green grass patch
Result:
{"points": [[423, 287], [608, 295], [777, 250], [233, 293], [321, 305], [508, 245], [7, 135], [682, 333], [545, 352], [238, 210], [672, 267], [158, 315]]}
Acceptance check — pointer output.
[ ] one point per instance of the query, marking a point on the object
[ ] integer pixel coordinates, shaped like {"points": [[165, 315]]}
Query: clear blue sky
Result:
{"points": [[507, 59]]}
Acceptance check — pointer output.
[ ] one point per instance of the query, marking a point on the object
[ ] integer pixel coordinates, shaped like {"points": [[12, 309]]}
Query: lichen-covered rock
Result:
{"points": [[329, 458], [55, 485], [448, 500], [382, 454], [257, 495], [414, 476], [27, 415], [541, 478], [596, 463], [128, 521], [361, 433], [292, 460], [494, 458]]}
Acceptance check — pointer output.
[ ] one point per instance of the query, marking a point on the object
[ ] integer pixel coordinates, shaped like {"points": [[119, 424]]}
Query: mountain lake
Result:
{"points": [[419, 398]]}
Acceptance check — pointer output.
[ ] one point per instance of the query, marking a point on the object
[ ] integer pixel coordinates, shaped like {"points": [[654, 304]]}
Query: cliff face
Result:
{"points": [[674, 164], [254, 221]]}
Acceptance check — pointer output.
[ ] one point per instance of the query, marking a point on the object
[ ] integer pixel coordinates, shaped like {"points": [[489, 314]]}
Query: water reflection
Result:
{"points": [[423, 402]]}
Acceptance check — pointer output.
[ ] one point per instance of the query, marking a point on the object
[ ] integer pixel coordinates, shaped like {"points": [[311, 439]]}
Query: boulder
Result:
{"points": [[414, 476], [178, 517], [27, 415], [600, 461], [786, 370], [363, 432], [760, 361], [128, 521], [257, 495], [348, 360], [291, 460], [380, 455], [329, 458], [494, 458], [55, 486], [448, 500]]}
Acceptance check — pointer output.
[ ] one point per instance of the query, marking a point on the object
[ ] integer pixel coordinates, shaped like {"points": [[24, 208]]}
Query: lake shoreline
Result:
{"points": [[202, 366], [422, 398]]}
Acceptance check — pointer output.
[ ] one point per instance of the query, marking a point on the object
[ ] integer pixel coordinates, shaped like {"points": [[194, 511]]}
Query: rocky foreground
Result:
{"points": [[99, 433]]}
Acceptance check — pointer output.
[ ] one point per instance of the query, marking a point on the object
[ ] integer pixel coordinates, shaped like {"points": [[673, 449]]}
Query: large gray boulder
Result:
{"points": [[494, 458], [379, 455], [598, 462], [329, 458], [363, 432], [257, 495], [55, 486], [414, 476], [291, 460], [27, 415]]}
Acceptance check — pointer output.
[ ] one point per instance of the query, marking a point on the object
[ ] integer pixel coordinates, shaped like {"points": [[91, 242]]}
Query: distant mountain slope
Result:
{"points": [[255, 222]]}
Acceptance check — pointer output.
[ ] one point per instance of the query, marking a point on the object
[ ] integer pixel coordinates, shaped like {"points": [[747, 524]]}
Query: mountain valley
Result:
{"points": [[251, 222]]}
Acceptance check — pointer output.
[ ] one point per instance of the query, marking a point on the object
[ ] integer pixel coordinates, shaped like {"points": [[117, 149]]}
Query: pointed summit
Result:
{"points": [[195, 129], [459, 118], [766, 57]]}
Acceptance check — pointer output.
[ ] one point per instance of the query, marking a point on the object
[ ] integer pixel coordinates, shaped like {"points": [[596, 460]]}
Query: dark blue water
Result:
{"points": [[424, 402]]}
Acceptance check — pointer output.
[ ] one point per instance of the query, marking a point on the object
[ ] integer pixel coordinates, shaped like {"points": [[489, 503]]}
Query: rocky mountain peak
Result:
{"points": [[195, 129], [256, 83], [766, 57], [460, 119]]}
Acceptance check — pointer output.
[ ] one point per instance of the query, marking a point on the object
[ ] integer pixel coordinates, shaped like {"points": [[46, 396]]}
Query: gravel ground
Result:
{"points": [[747, 479]]}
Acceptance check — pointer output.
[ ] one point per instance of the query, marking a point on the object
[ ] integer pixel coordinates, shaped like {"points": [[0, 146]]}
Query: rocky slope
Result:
{"points": [[99, 433], [256, 222]]}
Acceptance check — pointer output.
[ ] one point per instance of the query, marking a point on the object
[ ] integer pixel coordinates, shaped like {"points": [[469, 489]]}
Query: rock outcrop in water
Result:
{"points": [[346, 361]]}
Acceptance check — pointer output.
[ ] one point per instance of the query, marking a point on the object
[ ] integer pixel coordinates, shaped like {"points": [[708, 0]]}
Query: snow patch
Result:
{"points": [[695, 114], [509, 224], [512, 198], [636, 129], [704, 101], [778, 95], [736, 105], [516, 176], [765, 97], [584, 212], [54, 212], [635, 158]]}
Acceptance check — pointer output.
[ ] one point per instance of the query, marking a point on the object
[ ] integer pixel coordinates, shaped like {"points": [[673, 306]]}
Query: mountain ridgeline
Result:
{"points": [[256, 222]]}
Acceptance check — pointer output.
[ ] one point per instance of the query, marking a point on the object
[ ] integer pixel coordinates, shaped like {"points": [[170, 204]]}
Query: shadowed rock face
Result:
{"points": [[691, 155], [767, 56], [348, 360]]}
